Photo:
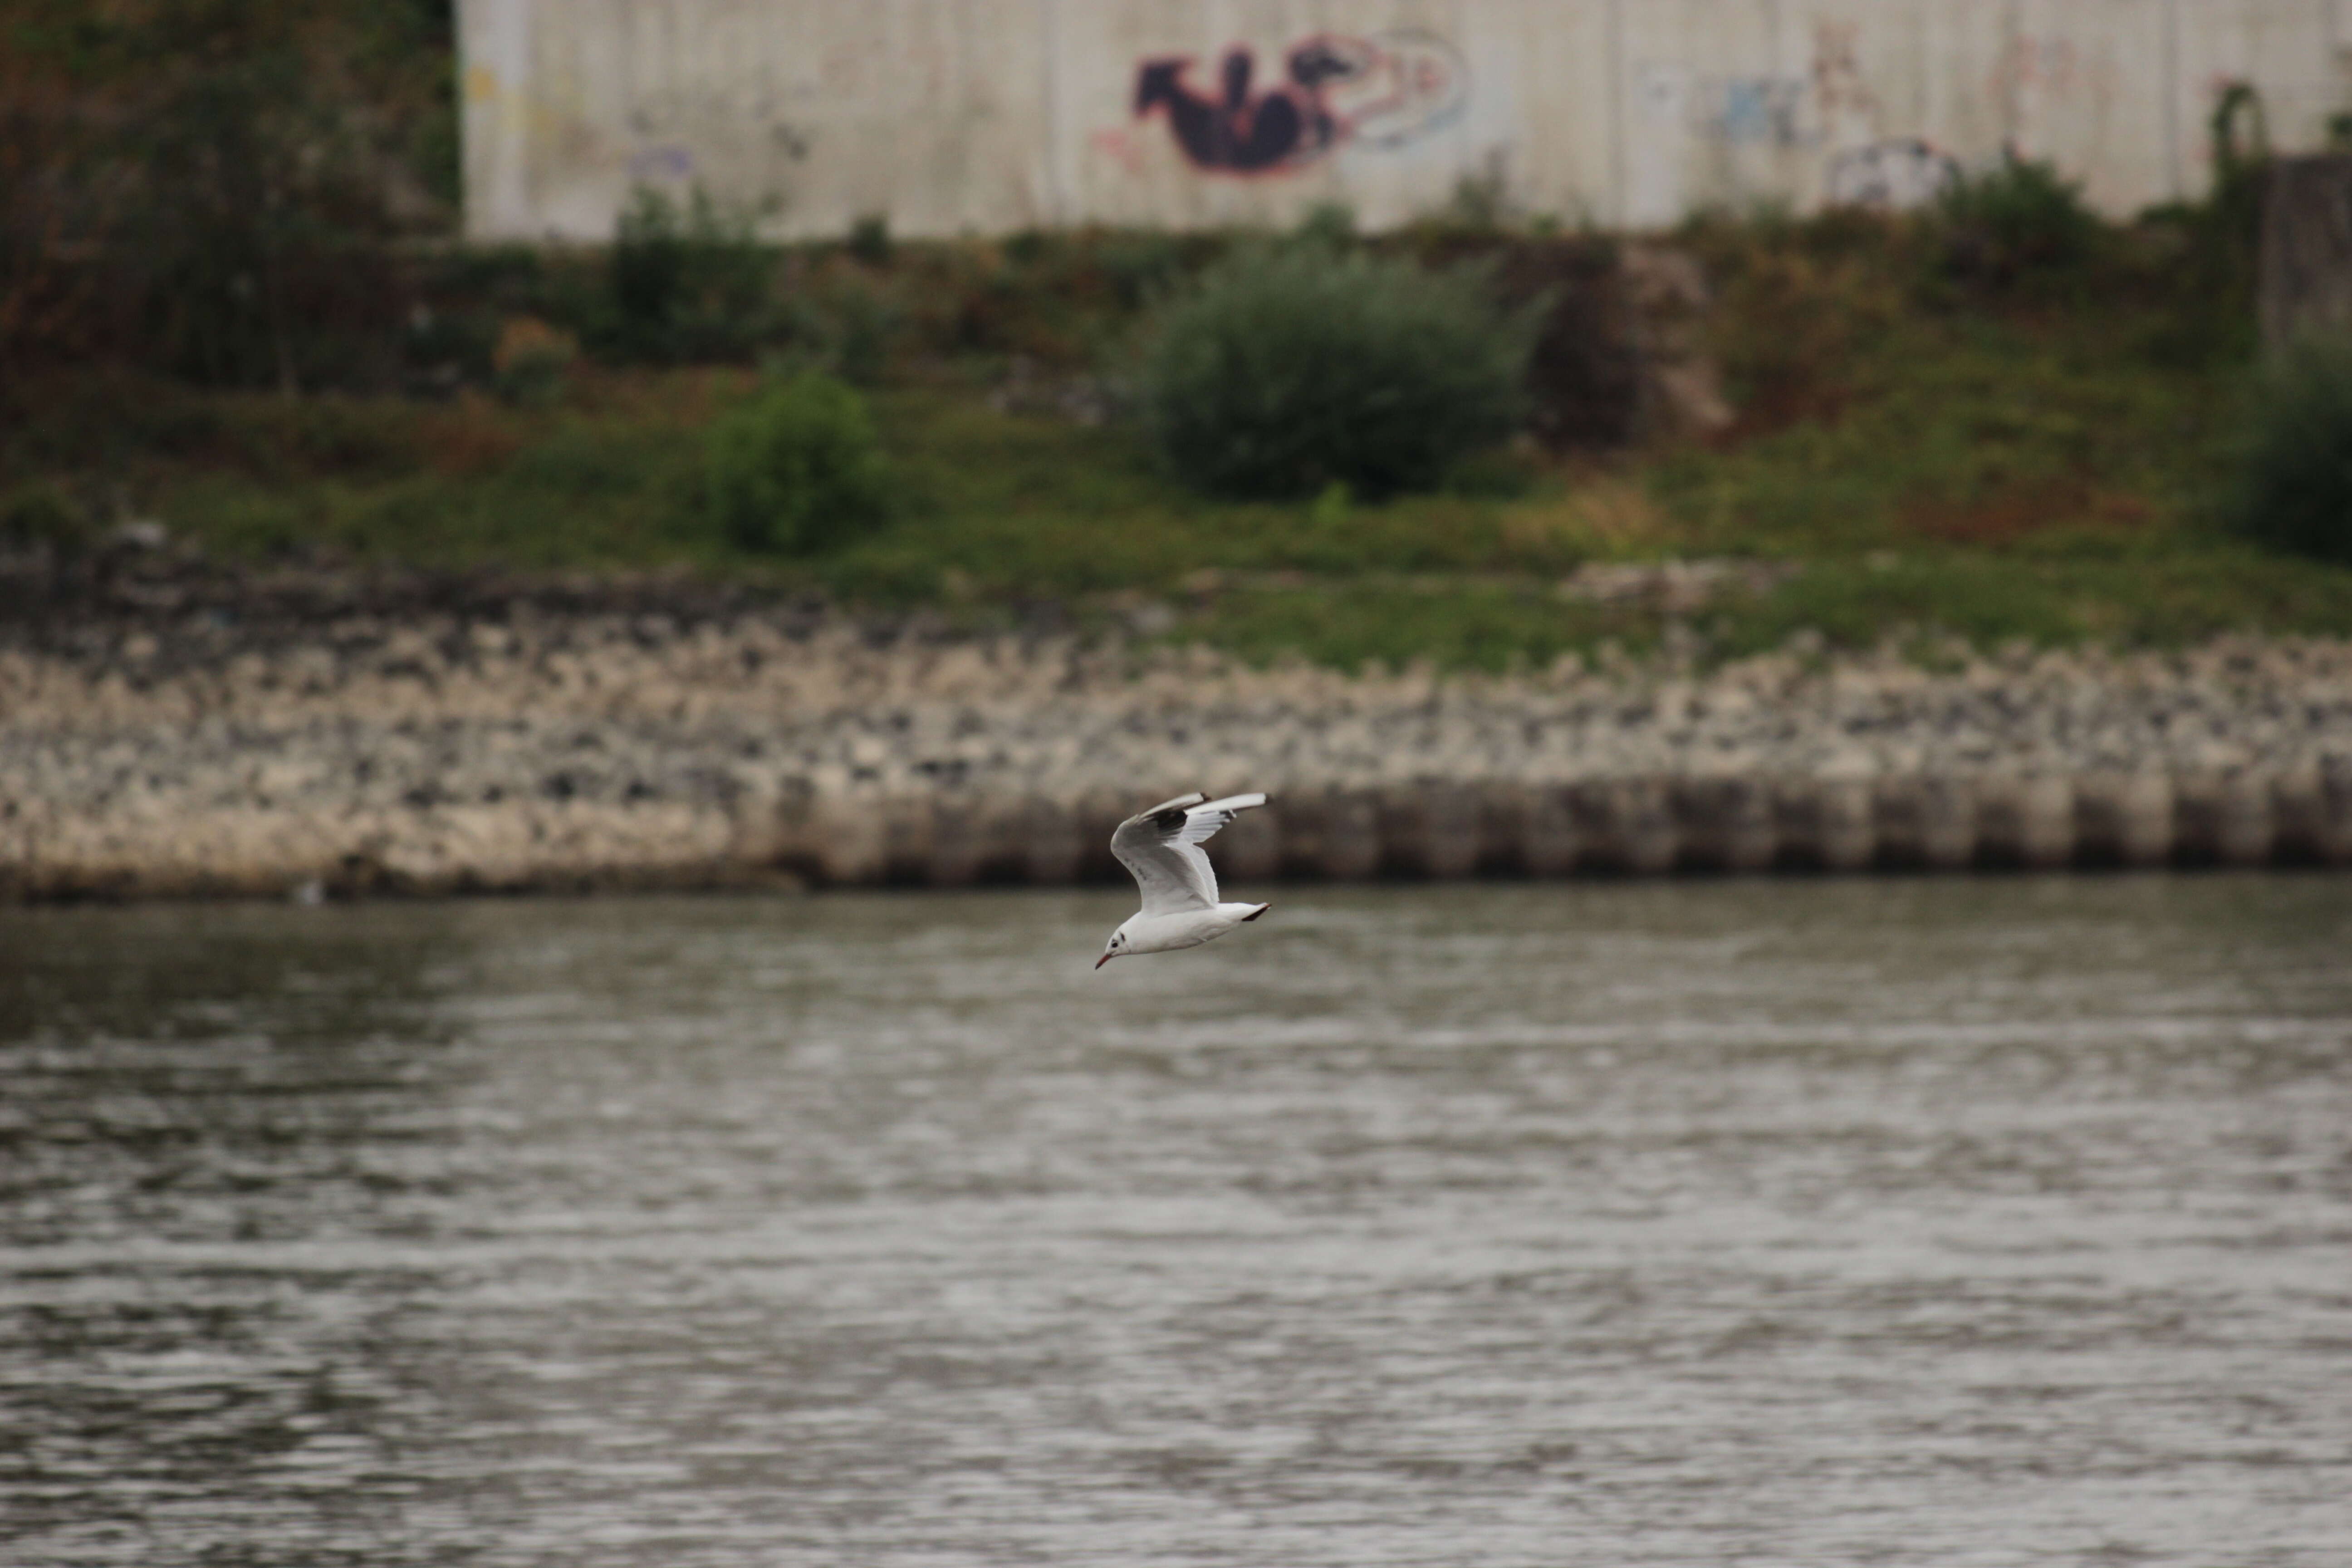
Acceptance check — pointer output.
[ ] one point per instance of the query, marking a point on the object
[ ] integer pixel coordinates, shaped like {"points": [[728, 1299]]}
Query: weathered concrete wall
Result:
{"points": [[992, 115]]}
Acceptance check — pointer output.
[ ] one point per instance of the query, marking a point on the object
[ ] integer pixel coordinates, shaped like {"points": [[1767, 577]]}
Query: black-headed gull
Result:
{"points": [[1162, 848]]}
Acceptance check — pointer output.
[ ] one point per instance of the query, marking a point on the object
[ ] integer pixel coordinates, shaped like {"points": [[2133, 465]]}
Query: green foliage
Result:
{"points": [[797, 470], [1480, 203], [869, 239], [1138, 266], [2294, 488], [1290, 367], [1976, 434], [2022, 225], [689, 285], [2209, 248], [580, 490], [1329, 223], [236, 173], [2002, 470], [2239, 132], [848, 327]]}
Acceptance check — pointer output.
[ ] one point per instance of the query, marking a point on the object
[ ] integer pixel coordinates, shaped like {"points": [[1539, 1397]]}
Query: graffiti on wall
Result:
{"points": [[1895, 174], [1760, 110], [1386, 90], [1830, 111]]}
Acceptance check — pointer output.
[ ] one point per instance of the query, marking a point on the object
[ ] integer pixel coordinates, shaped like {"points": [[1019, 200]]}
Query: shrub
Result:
{"points": [[2021, 222], [689, 284], [2294, 488], [1138, 266], [845, 327], [1288, 369], [797, 469], [869, 239]]}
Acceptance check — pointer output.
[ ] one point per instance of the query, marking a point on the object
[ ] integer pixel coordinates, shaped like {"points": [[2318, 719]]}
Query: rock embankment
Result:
{"points": [[452, 750]]}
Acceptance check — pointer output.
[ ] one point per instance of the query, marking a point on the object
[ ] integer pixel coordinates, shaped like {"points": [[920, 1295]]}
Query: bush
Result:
{"points": [[2294, 478], [689, 284], [2021, 223], [1290, 369], [797, 470]]}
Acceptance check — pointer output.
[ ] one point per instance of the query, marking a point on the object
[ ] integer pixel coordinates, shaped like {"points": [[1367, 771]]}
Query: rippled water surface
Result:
{"points": [[1760, 1223]]}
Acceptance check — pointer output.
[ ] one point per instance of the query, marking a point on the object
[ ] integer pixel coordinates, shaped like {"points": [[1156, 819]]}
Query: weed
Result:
{"points": [[1332, 224], [847, 327], [531, 361], [2019, 227], [688, 284], [869, 239], [796, 470]]}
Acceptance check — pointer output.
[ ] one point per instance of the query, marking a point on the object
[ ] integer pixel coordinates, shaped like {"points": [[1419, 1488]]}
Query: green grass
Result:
{"points": [[1978, 432], [1030, 508], [1927, 464], [589, 493]]}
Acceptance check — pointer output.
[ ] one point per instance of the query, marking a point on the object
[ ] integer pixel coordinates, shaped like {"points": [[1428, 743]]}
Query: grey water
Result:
{"points": [[1884, 1222]]}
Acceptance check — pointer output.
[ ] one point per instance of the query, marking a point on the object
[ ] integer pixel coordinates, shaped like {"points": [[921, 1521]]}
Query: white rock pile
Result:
{"points": [[532, 749]]}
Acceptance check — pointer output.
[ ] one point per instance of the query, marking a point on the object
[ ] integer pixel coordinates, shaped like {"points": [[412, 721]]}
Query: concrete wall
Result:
{"points": [[994, 115]]}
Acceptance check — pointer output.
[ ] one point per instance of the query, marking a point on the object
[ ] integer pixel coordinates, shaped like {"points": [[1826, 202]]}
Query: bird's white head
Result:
{"points": [[1116, 947]]}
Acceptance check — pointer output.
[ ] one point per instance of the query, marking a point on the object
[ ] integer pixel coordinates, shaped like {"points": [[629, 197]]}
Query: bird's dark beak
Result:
{"points": [[1105, 958]]}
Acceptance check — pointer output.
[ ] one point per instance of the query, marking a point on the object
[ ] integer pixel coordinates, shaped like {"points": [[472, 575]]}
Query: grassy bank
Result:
{"points": [[1912, 453]]}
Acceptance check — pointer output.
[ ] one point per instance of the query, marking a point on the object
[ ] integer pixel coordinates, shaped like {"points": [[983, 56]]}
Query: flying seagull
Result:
{"points": [[1162, 849]]}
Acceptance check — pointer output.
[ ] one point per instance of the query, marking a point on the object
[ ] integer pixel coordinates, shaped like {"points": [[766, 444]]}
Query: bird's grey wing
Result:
{"points": [[1201, 825], [1173, 875], [1162, 848], [1202, 822]]}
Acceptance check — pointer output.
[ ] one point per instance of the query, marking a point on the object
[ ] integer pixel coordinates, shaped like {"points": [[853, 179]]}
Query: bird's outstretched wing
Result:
{"points": [[1162, 848]]}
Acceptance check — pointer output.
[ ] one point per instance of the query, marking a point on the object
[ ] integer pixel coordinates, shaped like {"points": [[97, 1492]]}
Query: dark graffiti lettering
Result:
{"points": [[1381, 91], [1237, 130]]}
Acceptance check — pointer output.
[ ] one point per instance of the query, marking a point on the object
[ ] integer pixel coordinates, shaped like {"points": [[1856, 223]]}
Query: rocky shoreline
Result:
{"points": [[308, 740]]}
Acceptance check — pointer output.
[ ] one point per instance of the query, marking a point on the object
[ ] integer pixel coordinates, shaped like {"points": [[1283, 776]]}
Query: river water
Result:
{"points": [[1885, 1222]]}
